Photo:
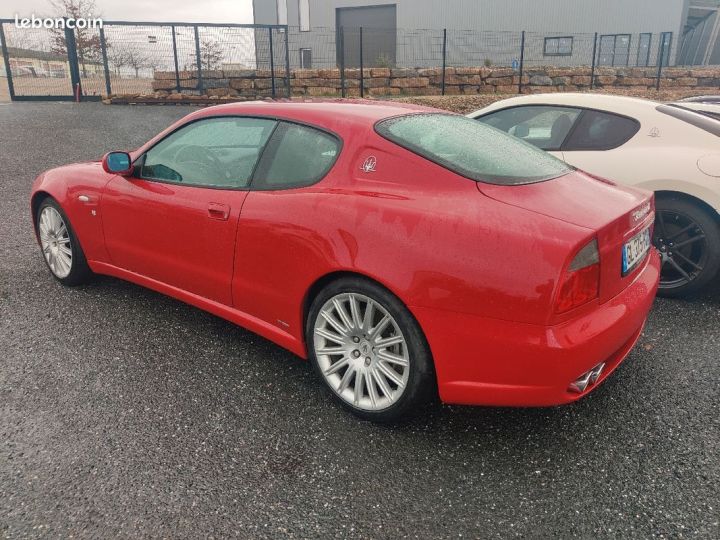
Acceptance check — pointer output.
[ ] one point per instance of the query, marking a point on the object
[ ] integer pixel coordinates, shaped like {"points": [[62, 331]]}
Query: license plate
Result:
{"points": [[635, 250]]}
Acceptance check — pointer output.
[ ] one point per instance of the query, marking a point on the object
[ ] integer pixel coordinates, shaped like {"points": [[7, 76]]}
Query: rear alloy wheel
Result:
{"points": [[60, 248], [689, 243], [369, 350]]}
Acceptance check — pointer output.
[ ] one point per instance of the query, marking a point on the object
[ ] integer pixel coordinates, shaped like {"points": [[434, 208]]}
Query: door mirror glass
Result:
{"points": [[117, 163]]}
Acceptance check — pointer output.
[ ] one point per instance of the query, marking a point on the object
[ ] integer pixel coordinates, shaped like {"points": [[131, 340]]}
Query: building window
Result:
{"points": [[643, 56], [282, 11], [558, 46], [614, 50], [304, 14], [305, 58], [665, 48]]}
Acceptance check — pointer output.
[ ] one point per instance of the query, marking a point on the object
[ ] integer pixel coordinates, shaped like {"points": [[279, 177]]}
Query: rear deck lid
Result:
{"points": [[614, 215], [575, 197]]}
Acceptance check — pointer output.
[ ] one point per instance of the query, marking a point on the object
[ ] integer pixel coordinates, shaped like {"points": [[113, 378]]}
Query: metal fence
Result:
{"points": [[124, 57]]}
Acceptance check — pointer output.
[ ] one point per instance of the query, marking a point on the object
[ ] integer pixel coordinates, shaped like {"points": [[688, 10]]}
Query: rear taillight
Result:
{"points": [[580, 282]]}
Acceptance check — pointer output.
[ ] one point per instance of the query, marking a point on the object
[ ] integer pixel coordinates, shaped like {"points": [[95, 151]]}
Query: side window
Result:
{"points": [[216, 152], [598, 130], [296, 156], [543, 126]]}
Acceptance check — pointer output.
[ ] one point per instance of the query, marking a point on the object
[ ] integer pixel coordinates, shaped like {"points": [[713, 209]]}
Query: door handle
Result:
{"points": [[218, 211]]}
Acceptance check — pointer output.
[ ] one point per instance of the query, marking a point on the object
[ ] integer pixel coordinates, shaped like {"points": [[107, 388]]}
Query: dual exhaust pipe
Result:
{"points": [[586, 379]]}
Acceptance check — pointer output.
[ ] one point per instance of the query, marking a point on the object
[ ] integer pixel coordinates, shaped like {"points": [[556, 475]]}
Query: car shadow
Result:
{"points": [[299, 394]]}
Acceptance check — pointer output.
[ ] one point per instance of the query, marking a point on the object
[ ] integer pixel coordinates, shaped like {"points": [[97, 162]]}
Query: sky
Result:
{"points": [[221, 11]]}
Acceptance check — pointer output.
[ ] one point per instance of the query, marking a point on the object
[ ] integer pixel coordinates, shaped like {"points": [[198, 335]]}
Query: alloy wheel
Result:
{"points": [[361, 351], [55, 242], [683, 248]]}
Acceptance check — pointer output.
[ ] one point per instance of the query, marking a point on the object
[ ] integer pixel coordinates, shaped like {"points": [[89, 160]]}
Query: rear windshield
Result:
{"points": [[472, 149], [704, 122]]}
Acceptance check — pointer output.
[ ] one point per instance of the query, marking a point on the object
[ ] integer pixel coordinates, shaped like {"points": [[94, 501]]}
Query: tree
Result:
{"points": [[87, 40], [211, 55], [19, 39], [137, 59], [116, 58], [154, 63]]}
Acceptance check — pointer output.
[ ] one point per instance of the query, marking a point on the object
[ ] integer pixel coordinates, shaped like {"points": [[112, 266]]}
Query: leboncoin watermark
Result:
{"points": [[57, 22]]}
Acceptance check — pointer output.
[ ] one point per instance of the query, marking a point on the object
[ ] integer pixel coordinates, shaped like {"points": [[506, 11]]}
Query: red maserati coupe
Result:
{"points": [[403, 250]]}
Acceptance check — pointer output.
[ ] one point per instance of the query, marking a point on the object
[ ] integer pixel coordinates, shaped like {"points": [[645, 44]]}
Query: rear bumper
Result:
{"points": [[481, 361]]}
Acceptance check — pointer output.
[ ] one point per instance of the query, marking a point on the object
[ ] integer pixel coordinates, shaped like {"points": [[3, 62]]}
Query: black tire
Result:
{"points": [[699, 256], [80, 272], [420, 388]]}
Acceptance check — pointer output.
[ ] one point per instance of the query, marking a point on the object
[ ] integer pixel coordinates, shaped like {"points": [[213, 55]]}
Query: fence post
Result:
{"points": [[522, 60], [661, 60], [272, 63], [73, 64], [175, 59], [444, 60], [287, 62], [342, 61], [103, 48], [362, 75], [198, 59], [594, 60], [6, 58]]}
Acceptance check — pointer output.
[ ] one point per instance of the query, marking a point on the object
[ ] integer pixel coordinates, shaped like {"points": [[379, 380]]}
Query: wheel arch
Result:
{"points": [[37, 198], [692, 191], [323, 281], [668, 194]]}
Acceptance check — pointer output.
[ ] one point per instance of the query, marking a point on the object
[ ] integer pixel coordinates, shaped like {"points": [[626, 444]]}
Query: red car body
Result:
{"points": [[478, 265]]}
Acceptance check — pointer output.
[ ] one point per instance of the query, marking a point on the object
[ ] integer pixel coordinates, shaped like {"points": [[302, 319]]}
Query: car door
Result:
{"points": [[596, 144], [175, 220], [544, 126], [278, 255]]}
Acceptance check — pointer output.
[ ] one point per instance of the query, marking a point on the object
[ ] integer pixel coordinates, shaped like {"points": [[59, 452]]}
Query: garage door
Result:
{"points": [[379, 27]]}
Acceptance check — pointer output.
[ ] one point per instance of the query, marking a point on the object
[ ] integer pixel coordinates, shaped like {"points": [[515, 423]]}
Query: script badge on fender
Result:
{"points": [[369, 164]]}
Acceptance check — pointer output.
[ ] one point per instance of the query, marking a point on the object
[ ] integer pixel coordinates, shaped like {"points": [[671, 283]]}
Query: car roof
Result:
{"points": [[333, 114], [618, 104]]}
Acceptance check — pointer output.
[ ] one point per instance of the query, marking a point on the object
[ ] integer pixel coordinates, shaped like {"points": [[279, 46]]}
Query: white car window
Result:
{"points": [[543, 126]]}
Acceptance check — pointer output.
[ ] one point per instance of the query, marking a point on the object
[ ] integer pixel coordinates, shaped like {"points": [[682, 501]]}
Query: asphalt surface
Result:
{"points": [[125, 413]]}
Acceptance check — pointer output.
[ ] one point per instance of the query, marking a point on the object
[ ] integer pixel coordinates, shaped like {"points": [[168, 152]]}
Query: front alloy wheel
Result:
{"points": [[369, 350], [60, 246], [55, 242]]}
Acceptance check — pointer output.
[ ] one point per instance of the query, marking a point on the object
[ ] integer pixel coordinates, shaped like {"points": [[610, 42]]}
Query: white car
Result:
{"points": [[664, 148]]}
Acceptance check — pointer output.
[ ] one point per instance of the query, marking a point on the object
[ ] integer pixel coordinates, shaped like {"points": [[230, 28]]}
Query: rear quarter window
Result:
{"points": [[471, 149], [598, 130], [296, 156]]}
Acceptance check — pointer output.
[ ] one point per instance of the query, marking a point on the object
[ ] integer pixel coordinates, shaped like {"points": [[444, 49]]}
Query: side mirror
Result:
{"points": [[117, 163]]}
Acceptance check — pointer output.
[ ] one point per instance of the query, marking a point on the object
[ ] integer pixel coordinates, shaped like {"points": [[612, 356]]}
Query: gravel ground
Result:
{"points": [[125, 413]]}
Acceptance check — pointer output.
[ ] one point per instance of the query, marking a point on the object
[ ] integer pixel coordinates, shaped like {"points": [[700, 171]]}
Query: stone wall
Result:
{"points": [[378, 82]]}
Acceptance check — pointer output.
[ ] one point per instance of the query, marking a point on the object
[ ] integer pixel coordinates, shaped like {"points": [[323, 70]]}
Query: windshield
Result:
{"points": [[472, 149]]}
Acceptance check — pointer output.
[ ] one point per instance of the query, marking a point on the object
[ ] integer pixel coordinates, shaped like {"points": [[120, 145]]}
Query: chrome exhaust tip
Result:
{"points": [[588, 378]]}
